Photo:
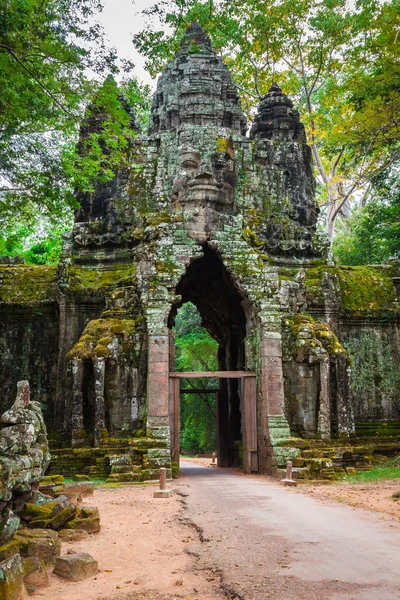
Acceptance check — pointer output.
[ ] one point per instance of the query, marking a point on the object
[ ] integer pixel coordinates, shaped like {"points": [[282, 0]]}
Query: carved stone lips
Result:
{"points": [[204, 186]]}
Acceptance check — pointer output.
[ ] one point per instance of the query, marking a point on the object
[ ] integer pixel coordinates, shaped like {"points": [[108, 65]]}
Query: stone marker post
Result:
{"points": [[288, 478], [163, 492], [163, 478], [213, 462]]}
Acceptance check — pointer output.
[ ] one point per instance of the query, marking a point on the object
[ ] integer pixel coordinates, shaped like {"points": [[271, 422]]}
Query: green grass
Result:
{"points": [[388, 471]]}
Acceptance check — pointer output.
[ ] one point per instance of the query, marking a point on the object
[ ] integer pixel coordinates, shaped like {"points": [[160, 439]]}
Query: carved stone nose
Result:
{"points": [[205, 172]]}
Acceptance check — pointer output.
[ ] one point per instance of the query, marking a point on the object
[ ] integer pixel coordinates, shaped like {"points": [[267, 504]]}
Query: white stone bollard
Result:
{"points": [[213, 460], [288, 478]]}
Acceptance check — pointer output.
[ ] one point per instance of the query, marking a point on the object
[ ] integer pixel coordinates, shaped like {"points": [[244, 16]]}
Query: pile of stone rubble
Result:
{"points": [[37, 513]]}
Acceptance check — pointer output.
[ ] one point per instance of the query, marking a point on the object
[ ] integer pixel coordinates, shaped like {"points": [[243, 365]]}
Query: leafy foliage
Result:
{"points": [[372, 234], [196, 350], [32, 246], [47, 50]]}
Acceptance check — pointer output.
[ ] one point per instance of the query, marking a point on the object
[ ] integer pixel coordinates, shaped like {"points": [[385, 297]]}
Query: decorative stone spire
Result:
{"points": [[195, 40], [276, 118], [196, 89]]}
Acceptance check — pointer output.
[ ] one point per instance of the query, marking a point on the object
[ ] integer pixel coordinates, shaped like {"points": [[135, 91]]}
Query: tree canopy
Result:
{"points": [[53, 62]]}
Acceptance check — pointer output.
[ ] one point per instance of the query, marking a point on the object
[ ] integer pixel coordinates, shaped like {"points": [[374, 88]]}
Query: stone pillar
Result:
{"points": [[345, 413], [157, 380], [99, 408], [271, 414], [324, 415], [77, 429]]}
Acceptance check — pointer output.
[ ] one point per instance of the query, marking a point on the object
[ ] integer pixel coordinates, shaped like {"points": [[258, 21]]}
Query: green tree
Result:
{"points": [[372, 234], [48, 49], [196, 350]]}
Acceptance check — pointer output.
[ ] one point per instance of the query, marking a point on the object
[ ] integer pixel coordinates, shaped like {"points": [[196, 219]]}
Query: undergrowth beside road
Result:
{"points": [[382, 472]]}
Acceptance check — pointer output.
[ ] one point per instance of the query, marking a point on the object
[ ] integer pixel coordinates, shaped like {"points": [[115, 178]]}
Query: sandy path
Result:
{"points": [[141, 550], [374, 496]]}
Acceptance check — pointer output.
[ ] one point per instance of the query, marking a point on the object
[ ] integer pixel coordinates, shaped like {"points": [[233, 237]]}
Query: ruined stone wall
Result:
{"points": [[362, 305], [375, 351], [29, 333]]}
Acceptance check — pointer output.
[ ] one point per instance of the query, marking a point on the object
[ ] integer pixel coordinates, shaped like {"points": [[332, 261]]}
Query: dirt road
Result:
{"points": [[272, 542]]}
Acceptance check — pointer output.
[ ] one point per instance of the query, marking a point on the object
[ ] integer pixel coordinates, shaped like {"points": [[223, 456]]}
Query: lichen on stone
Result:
{"points": [[310, 340], [100, 335], [28, 284]]}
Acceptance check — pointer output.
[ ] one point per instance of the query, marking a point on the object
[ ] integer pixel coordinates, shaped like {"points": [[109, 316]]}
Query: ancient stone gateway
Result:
{"points": [[207, 213]]}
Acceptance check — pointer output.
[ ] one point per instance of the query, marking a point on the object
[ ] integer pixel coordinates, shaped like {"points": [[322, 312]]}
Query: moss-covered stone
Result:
{"points": [[52, 479], [99, 335], [308, 337], [87, 279], [364, 290], [28, 284]]}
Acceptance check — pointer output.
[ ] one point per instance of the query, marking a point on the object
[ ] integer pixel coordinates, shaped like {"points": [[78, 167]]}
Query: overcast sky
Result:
{"points": [[121, 19]]}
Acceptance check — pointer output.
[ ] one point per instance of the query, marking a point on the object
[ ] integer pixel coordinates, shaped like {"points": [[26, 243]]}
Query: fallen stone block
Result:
{"points": [[72, 535], [81, 477], [33, 512], [72, 497], [9, 523], [62, 518], [80, 487], [12, 585], [76, 567], [12, 547], [88, 512], [43, 543], [35, 573], [90, 524], [162, 494], [52, 479], [351, 471]]}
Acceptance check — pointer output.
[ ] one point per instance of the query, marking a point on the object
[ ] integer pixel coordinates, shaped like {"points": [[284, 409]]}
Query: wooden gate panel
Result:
{"points": [[249, 425]]}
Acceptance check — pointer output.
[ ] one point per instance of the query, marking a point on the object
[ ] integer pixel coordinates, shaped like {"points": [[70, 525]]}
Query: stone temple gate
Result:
{"points": [[207, 213]]}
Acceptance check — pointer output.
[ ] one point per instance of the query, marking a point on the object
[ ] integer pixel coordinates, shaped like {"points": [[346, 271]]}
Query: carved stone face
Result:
{"points": [[205, 175]]}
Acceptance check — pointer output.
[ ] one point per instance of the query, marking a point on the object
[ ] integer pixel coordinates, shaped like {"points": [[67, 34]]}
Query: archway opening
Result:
{"points": [[208, 285]]}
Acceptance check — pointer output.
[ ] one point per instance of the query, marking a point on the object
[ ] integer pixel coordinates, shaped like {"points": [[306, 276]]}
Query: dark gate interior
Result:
{"points": [[209, 286]]}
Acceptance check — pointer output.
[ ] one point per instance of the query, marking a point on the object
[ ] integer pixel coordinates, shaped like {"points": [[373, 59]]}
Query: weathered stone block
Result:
{"points": [[81, 477], [89, 524], [80, 487], [76, 567], [9, 523], [52, 480], [42, 543], [35, 573], [62, 518], [73, 535], [11, 579]]}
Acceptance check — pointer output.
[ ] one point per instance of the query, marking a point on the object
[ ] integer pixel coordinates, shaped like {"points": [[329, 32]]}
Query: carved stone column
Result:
{"points": [[99, 408], [77, 429], [324, 416]]}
